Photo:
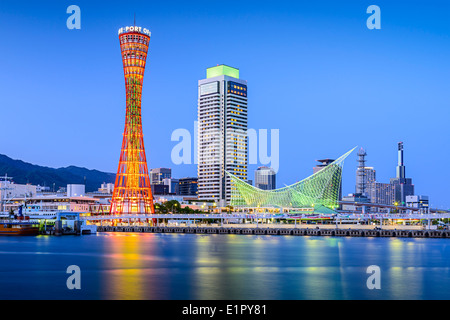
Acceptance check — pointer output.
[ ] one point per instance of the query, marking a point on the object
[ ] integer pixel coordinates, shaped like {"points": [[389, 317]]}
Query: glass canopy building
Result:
{"points": [[320, 189]]}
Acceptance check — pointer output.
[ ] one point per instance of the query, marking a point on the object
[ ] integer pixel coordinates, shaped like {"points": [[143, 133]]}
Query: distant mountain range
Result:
{"points": [[23, 173]]}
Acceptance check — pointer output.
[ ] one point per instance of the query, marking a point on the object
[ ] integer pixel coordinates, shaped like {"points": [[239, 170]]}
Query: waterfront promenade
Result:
{"points": [[392, 225], [301, 231], [307, 226]]}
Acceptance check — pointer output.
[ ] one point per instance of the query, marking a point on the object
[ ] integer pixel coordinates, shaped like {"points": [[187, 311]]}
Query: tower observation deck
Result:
{"points": [[132, 191]]}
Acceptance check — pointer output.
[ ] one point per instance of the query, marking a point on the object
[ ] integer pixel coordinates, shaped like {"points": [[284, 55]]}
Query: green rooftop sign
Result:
{"points": [[222, 70]]}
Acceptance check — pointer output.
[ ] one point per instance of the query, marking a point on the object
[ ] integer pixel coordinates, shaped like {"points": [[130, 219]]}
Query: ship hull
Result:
{"points": [[27, 231]]}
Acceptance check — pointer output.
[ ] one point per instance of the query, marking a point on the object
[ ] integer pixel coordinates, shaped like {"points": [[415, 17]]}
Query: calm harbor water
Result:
{"points": [[190, 266]]}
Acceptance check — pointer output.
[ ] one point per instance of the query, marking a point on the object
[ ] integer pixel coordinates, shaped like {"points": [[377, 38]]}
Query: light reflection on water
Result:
{"points": [[183, 266]]}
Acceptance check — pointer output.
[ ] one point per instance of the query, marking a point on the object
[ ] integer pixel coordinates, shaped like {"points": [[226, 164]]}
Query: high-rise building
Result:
{"points": [[132, 190], [364, 175], [403, 186], [369, 176], [157, 175], [222, 132], [381, 193], [265, 178], [188, 187], [173, 184]]}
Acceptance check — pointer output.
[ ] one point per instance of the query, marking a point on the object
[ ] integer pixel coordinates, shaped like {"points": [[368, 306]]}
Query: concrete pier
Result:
{"points": [[284, 231]]}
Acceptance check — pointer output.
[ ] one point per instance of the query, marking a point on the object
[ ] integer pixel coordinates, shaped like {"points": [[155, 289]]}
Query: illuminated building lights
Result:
{"points": [[322, 188], [132, 190]]}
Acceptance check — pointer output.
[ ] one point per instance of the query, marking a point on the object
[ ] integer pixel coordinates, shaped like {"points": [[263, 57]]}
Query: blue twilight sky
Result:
{"points": [[314, 71]]}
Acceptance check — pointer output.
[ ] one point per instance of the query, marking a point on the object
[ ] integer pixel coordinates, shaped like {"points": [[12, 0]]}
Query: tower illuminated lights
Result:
{"points": [[132, 190]]}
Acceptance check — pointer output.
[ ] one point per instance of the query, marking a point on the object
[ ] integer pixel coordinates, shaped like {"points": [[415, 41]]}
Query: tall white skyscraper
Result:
{"points": [[265, 178], [366, 176], [222, 132]]}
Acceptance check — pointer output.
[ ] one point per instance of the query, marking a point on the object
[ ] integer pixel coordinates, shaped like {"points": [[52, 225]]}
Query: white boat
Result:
{"points": [[34, 211]]}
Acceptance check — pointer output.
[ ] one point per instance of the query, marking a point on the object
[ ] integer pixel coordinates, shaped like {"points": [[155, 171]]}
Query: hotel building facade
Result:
{"points": [[222, 133]]}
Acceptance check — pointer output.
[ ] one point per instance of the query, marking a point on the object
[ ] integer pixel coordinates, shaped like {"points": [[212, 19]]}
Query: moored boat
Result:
{"points": [[18, 229]]}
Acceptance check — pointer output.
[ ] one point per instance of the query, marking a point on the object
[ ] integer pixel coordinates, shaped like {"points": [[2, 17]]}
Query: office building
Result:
{"points": [[172, 184], [160, 189], [157, 175], [10, 190], [403, 186], [76, 190], [420, 202], [364, 175], [222, 133], [106, 188], [381, 193], [188, 187], [41, 189], [265, 178], [355, 197]]}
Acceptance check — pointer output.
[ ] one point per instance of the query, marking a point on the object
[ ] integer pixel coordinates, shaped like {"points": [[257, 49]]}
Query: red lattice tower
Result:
{"points": [[132, 191]]}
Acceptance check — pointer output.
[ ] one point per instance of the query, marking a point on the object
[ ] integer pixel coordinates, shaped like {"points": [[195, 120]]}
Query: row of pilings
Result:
{"points": [[283, 231]]}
